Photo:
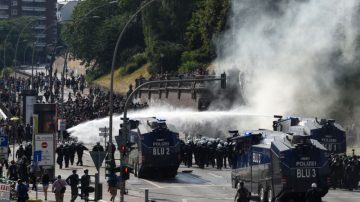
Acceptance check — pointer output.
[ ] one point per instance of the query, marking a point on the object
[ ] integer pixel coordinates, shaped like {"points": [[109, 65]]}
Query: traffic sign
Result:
{"points": [[4, 141], [44, 145], [97, 157], [104, 130], [4, 144], [37, 155], [103, 134]]}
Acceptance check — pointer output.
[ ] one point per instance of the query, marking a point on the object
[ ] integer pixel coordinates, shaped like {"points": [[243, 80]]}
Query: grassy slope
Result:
{"points": [[121, 83]]}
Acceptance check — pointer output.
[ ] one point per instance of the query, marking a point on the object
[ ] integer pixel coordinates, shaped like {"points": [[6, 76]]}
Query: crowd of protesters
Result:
{"points": [[78, 107]]}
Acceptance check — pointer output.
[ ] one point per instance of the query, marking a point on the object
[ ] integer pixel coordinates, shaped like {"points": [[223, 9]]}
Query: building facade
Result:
{"points": [[65, 10], [44, 11]]}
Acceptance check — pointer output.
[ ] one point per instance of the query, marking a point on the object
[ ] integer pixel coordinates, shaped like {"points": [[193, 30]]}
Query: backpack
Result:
{"points": [[63, 189]]}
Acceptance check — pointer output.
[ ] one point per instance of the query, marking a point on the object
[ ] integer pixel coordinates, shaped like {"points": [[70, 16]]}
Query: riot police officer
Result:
{"points": [[313, 194], [242, 194], [72, 152], [60, 157], [80, 151], [219, 156], [98, 147], [67, 155]]}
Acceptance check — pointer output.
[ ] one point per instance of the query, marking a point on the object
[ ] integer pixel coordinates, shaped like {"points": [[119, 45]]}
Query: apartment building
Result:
{"points": [[43, 10]]}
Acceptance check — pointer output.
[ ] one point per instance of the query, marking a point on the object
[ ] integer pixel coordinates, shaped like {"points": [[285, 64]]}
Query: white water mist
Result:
{"points": [[187, 121], [291, 51]]}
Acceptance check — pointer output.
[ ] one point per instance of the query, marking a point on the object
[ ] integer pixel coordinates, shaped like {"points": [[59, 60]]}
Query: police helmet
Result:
{"points": [[314, 185]]}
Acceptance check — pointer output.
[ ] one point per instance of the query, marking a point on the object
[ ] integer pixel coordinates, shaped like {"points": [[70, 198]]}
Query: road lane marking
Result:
{"points": [[154, 184], [218, 176], [184, 200], [189, 186]]}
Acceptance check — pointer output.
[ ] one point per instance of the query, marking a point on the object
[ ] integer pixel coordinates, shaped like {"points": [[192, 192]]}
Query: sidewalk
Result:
{"points": [[67, 196]]}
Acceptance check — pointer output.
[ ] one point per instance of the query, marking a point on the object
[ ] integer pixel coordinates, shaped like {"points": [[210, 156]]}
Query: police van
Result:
{"points": [[330, 134], [278, 166], [155, 149]]}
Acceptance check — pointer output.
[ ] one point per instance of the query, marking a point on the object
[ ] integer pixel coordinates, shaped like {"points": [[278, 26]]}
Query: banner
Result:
{"points": [[45, 144], [4, 192]]}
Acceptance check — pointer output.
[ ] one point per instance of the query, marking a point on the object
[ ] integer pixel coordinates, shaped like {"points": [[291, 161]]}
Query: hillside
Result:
{"points": [[121, 83]]}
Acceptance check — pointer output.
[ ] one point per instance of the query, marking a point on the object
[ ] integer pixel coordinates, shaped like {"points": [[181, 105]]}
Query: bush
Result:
{"points": [[171, 59], [139, 59], [6, 72], [189, 66], [128, 69], [94, 74]]}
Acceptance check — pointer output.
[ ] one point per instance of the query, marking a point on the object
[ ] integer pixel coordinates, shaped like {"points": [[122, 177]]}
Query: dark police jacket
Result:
{"points": [[313, 195]]}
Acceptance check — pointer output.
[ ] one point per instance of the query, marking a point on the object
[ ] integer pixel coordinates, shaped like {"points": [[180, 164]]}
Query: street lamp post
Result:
{"points": [[62, 97], [18, 40], [25, 53], [5, 41], [161, 66], [111, 103]]}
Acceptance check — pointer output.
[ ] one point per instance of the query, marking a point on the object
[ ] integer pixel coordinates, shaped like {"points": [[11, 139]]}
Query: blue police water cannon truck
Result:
{"points": [[329, 133], [155, 148], [279, 166]]}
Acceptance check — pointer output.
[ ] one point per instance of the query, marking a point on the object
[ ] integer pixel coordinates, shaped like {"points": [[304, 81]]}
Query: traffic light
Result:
{"points": [[125, 172], [223, 80], [123, 149]]}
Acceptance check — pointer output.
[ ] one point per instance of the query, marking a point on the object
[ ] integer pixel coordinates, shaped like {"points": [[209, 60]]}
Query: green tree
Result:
{"points": [[164, 25], [208, 20], [9, 31], [93, 40]]}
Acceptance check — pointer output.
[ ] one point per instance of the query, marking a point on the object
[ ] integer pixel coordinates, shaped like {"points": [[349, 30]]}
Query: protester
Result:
{"points": [[73, 181], [85, 183], [22, 191], [45, 180], [59, 188]]}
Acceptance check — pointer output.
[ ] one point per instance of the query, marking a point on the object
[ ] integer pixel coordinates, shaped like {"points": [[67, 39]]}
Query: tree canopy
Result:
{"points": [[167, 34], [9, 33]]}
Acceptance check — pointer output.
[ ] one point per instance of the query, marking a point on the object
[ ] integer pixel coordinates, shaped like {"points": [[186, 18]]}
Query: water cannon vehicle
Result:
{"points": [[278, 166], [329, 133], [155, 148]]}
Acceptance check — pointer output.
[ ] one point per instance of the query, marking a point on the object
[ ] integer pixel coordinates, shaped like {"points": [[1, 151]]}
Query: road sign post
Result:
{"points": [[104, 132], [97, 157]]}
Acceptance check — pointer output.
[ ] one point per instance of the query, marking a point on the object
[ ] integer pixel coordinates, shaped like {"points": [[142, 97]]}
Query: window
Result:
{"points": [[14, 12], [14, 3]]}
